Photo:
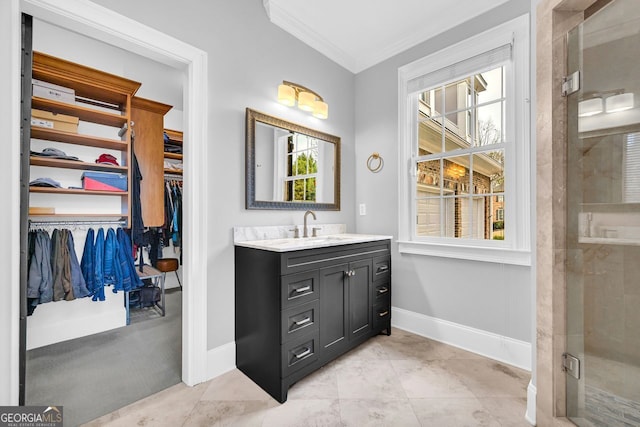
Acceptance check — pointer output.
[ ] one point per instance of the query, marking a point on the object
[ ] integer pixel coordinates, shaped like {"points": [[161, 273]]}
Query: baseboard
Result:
{"points": [[504, 349], [530, 416], [221, 359]]}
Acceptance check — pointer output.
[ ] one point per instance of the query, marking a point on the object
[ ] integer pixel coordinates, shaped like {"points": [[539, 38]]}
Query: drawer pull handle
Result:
{"points": [[303, 289], [382, 268], [383, 290], [306, 352], [303, 321], [384, 313]]}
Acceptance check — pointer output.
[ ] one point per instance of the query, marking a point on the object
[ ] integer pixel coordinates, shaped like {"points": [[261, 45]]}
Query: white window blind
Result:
{"points": [[631, 170], [460, 69]]}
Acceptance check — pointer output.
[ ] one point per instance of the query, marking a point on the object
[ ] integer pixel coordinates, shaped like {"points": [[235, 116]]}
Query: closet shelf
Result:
{"points": [[70, 164], [54, 190], [83, 113], [173, 156], [74, 138], [175, 136], [173, 171], [86, 81], [76, 216]]}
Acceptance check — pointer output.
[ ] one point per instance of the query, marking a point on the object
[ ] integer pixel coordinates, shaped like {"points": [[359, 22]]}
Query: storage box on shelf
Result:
{"points": [[49, 120], [51, 91], [63, 88]]}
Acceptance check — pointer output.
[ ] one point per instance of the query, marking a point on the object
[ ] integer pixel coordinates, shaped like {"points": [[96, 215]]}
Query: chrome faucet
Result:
{"points": [[305, 233]]}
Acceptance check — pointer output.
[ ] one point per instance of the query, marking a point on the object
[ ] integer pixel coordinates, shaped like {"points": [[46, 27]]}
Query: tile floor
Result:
{"points": [[401, 380]]}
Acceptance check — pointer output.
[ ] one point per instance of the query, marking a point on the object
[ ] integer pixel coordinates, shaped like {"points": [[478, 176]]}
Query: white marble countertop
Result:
{"points": [[294, 244]]}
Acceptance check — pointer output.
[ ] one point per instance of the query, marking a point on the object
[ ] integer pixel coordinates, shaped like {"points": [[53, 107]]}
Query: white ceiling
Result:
{"points": [[360, 33]]}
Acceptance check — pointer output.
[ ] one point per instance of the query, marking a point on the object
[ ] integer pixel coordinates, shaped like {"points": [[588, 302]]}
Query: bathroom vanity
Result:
{"points": [[301, 303]]}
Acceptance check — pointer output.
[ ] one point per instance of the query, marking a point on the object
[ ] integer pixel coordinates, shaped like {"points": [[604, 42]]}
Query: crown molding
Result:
{"points": [[361, 60], [301, 31]]}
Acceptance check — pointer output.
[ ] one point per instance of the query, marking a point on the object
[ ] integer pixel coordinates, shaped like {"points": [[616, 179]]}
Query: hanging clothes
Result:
{"points": [[40, 276], [98, 253], [137, 226], [92, 264], [130, 278], [172, 229], [77, 279], [68, 281], [112, 268], [62, 289]]}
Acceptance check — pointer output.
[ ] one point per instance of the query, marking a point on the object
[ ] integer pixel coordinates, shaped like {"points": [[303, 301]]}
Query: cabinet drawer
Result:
{"points": [[300, 353], [381, 315], [299, 288], [382, 291], [381, 268], [299, 320]]}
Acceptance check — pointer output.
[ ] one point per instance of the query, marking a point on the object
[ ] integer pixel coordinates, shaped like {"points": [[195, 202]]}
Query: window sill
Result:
{"points": [[473, 253]]}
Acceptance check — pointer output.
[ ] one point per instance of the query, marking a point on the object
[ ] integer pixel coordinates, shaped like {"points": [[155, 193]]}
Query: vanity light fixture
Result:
{"points": [[308, 100], [620, 102], [590, 107]]}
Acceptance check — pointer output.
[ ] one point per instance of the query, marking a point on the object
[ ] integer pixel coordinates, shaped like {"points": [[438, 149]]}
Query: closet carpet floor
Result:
{"points": [[95, 375], [402, 380]]}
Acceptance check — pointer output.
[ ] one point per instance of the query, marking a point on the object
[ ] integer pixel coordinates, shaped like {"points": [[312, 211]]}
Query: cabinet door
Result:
{"points": [[359, 289], [333, 307]]}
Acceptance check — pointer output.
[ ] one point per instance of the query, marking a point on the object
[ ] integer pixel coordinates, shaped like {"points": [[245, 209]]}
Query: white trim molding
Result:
{"points": [[530, 415], [498, 347], [108, 26], [497, 255], [10, 31], [221, 360]]}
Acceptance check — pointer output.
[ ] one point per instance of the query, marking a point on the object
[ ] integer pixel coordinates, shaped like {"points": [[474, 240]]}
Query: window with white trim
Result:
{"points": [[302, 168], [464, 133]]}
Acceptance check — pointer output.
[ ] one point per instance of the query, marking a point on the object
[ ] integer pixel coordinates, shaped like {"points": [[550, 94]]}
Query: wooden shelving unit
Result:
{"points": [[101, 98]]}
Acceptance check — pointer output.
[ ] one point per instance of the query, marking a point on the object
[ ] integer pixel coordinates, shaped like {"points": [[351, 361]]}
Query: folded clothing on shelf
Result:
{"points": [[53, 153], [44, 182]]}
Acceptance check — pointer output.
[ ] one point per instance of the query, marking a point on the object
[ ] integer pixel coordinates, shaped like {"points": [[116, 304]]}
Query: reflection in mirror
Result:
{"points": [[289, 166]]}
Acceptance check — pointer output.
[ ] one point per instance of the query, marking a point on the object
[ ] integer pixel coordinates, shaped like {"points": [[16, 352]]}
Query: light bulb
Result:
{"points": [[286, 95]]}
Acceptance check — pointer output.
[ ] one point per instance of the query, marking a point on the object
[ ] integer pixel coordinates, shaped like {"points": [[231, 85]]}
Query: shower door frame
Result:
{"points": [[554, 19]]}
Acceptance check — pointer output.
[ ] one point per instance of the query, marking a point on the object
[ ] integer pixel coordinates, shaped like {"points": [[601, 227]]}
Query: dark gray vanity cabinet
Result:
{"points": [[296, 311]]}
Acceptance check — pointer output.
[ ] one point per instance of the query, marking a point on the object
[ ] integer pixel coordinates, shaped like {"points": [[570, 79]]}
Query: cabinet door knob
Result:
{"points": [[350, 273]]}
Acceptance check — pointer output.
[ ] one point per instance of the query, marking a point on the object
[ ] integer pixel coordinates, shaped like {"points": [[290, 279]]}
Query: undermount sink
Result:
{"points": [[291, 243]]}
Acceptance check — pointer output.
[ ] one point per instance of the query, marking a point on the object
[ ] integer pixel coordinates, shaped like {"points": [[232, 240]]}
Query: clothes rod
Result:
{"points": [[78, 222], [172, 176]]}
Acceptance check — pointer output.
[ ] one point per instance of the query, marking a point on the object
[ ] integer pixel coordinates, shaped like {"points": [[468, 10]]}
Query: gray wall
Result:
{"points": [[248, 58], [488, 296]]}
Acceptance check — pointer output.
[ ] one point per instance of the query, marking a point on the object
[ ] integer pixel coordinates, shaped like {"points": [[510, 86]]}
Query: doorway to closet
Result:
{"points": [[194, 347], [82, 347]]}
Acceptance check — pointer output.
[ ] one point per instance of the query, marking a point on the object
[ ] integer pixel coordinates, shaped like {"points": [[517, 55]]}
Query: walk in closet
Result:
{"points": [[97, 183]]}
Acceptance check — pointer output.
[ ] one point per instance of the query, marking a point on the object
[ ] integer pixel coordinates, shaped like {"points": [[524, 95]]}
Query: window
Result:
{"points": [[302, 168], [464, 135]]}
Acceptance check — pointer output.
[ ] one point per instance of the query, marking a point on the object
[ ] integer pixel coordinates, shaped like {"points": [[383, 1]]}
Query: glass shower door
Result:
{"points": [[603, 219]]}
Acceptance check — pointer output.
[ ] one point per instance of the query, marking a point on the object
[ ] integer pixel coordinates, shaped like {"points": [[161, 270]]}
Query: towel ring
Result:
{"points": [[375, 162]]}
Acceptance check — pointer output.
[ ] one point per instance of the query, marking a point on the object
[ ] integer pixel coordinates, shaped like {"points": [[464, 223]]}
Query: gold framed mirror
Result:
{"points": [[289, 166]]}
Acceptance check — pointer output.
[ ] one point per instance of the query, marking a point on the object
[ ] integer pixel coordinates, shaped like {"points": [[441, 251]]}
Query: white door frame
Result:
{"points": [[103, 24]]}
